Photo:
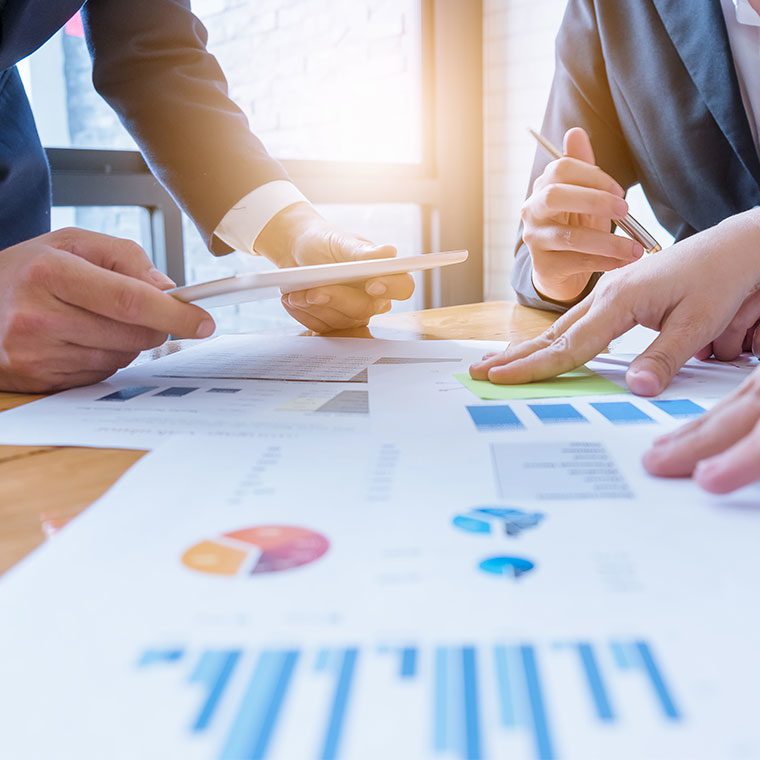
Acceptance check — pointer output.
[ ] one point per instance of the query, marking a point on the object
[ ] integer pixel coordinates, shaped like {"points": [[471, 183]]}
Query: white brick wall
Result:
{"points": [[518, 66]]}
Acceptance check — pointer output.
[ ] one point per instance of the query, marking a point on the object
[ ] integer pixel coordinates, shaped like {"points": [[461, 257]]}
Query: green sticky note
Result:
{"points": [[579, 382]]}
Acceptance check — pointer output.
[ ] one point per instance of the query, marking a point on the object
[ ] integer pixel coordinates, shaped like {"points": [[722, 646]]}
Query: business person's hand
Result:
{"points": [[690, 292], [567, 222], [75, 306], [299, 236], [742, 334], [721, 449]]}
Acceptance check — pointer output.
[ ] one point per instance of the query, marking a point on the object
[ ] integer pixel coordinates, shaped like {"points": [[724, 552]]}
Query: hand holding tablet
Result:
{"points": [[255, 286]]}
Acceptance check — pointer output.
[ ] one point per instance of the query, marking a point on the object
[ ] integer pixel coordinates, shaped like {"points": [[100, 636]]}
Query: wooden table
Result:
{"points": [[39, 483]]}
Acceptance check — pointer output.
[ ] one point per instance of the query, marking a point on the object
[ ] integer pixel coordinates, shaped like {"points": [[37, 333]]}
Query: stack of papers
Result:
{"points": [[340, 549]]}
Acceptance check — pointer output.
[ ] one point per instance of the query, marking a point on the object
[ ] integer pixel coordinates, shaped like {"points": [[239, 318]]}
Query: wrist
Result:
{"points": [[276, 241]]}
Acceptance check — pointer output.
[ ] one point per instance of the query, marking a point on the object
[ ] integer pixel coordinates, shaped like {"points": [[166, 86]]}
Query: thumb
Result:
{"points": [[345, 248], [117, 254], [577, 144], [651, 373]]}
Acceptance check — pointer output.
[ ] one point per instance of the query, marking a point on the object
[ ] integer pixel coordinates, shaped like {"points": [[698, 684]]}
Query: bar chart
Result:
{"points": [[473, 700], [521, 416]]}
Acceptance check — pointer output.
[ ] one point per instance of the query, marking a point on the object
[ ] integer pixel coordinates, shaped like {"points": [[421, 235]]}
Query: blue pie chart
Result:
{"points": [[508, 567]]}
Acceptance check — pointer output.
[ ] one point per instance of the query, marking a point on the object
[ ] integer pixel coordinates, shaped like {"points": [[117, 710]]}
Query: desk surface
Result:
{"points": [[44, 483]]}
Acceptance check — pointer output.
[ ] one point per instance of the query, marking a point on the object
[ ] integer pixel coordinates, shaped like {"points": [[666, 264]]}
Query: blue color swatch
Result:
{"points": [[679, 408], [489, 418], [621, 412], [551, 414]]}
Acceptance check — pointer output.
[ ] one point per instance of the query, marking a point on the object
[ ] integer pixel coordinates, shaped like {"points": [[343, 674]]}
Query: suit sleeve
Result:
{"points": [[151, 64], [580, 97]]}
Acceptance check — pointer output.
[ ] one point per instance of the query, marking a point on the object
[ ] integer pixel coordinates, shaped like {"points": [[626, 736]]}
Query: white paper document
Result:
{"points": [[416, 399], [234, 386], [418, 598]]}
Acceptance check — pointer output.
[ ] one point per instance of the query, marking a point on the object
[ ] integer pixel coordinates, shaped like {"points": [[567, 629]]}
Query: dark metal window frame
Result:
{"points": [[447, 185], [122, 178]]}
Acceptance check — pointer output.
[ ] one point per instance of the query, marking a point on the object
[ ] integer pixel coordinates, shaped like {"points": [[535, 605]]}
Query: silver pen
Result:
{"points": [[628, 224]]}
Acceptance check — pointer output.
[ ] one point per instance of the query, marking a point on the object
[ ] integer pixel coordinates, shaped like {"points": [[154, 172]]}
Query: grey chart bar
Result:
{"points": [[223, 390], [125, 394], [175, 392], [347, 402]]}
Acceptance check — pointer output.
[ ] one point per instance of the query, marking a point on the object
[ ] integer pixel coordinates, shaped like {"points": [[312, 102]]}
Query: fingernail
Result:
{"points": [[205, 328], [297, 300], [643, 382], [317, 299], [376, 289], [638, 249], [160, 279], [620, 207], [382, 305]]}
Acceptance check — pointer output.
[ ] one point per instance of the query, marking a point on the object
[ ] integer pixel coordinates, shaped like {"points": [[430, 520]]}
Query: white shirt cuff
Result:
{"points": [[242, 224]]}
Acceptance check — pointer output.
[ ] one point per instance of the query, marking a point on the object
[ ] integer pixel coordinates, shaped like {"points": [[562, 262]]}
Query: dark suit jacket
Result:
{"points": [[150, 63], [654, 84]]}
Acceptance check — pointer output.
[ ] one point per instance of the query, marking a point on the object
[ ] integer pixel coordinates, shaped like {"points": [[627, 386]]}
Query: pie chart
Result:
{"points": [[257, 550], [507, 567]]}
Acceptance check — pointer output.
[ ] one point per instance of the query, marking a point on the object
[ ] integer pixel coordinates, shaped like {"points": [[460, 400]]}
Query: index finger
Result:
{"points": [[586, 337], [125, 299]]}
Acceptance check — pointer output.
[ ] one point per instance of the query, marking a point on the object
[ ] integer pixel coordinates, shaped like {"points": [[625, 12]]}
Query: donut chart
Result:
{"points": [[257, 550]]}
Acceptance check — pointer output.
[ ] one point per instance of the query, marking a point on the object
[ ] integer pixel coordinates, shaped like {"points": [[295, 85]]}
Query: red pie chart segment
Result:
{"points": [[273, 548]]}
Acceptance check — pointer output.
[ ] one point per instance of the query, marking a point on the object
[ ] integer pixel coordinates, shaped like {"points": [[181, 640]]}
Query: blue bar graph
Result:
{"points": [[679, 408], [257, 715], [552, 414], [250, 699], [489, 418], [213, 671], [621, 412]]}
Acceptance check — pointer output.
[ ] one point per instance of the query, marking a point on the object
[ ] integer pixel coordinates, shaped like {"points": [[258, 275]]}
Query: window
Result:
{"points": [[345, 92]]}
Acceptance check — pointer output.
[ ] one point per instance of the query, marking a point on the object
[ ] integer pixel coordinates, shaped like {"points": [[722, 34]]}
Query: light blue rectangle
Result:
{"points": [[441, 700], [253, 726], [621, 655], [408, 662], [472, 743], [505, 687], [551, 414], [153, 656], [494, 418], [214, 670], [621, 412], [596, 684], [667, 703], [542, 740], [340, 703], [679, 408]]}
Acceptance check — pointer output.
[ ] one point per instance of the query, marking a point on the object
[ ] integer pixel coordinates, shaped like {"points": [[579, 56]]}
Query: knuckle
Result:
{"points": [[552, 196], [128, 304], [26, 323], [41, 268]]}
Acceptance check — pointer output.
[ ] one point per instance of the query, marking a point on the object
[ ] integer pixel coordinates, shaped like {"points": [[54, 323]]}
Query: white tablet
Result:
{"points": [[256, 286]]}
